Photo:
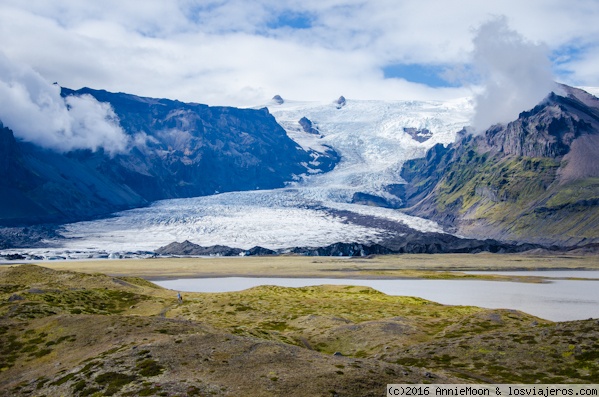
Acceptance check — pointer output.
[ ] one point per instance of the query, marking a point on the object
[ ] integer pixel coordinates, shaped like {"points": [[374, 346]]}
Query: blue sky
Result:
{"points": [[431, 75], [292, 20], [242, 52]]}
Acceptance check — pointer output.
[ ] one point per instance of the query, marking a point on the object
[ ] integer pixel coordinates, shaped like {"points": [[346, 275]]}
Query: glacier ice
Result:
{"points": [[369, 136]]}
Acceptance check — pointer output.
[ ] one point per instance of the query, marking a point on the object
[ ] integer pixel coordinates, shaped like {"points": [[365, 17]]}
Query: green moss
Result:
{"points": [[585, 189], [89, 392], [274, 325], [79, 386], [41, 382], [149, 367], [62, 380], [519, 194], [114, 381], [591, 354], [10, 288], [42, 353], [147, 391], [410, 361], [91, 301], [140, 282], [473, 179]]}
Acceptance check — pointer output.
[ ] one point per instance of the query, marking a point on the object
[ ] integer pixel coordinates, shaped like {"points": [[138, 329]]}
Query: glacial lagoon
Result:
{"points": [[557, 300]]}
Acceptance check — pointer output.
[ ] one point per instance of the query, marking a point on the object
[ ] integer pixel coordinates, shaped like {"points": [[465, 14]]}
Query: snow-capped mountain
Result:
{"points": [[373, 139]]}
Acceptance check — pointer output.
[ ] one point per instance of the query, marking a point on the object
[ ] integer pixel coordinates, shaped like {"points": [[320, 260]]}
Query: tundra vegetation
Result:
{"points": [[90, 334]]}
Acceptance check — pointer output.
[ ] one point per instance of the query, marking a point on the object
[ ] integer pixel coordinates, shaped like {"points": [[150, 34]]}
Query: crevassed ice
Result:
{"points": [[368, 135], [272, 219]]}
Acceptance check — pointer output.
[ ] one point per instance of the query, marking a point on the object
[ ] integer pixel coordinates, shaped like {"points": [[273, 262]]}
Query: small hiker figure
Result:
{"points": [[179, 297]]}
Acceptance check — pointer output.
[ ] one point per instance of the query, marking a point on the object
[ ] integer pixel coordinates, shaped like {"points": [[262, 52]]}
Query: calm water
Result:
{"points": [[560, 300], [544, 273]]}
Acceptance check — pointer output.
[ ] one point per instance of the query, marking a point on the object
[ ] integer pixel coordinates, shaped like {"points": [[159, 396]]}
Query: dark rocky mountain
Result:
{"points": [[189, 150], [535, 179]]}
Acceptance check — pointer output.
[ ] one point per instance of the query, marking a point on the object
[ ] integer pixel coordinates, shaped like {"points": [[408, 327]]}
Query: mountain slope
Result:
{"points": [[177, 150], [535, 179], [43, 186]]}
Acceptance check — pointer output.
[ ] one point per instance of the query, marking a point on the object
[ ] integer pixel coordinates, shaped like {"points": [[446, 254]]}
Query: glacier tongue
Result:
{"points": [[372, 142], [273, 219]]}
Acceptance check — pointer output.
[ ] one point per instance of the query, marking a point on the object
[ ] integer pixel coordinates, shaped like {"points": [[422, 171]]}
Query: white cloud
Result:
{"points": [[36, 112], [582, 69], [516, 74], [237, 53]]}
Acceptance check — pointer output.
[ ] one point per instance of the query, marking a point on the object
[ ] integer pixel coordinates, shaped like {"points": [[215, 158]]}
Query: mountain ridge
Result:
{"points": [[178, 150], [533, 180]]}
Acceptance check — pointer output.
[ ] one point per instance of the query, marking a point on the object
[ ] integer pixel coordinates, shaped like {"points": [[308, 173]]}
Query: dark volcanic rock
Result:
{"points": [[548, 130], [343, 249], [257, 250], [418, 243], [415, 243], [375, 201], [187, 248], [191, 249], [15, 297], [437, 243], [307, 126], [422, 135], [341, 102], [278, 99], [14, 257]]}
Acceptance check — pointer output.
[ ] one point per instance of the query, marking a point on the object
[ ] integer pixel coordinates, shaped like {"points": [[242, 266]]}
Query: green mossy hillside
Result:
{"points": [[506, 197], [135, 339]]}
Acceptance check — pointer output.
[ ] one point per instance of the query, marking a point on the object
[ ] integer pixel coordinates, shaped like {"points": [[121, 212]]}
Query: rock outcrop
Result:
{"points": [[422, 135], [308, 126], [535, 179], [187, 248], [340, 102]]}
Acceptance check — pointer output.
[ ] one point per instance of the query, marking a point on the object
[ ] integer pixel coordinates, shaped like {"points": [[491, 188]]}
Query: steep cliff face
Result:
{"points": [[535, 179], [193, 149], [549, 129], [15, 179], [40, 186], [177, 150]]}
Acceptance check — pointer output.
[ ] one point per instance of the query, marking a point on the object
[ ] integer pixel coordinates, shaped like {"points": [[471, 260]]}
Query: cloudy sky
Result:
{"points": [[242, 52]]}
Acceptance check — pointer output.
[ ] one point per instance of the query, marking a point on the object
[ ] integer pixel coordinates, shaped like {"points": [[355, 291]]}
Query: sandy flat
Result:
{"points": [[389, 266]]}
